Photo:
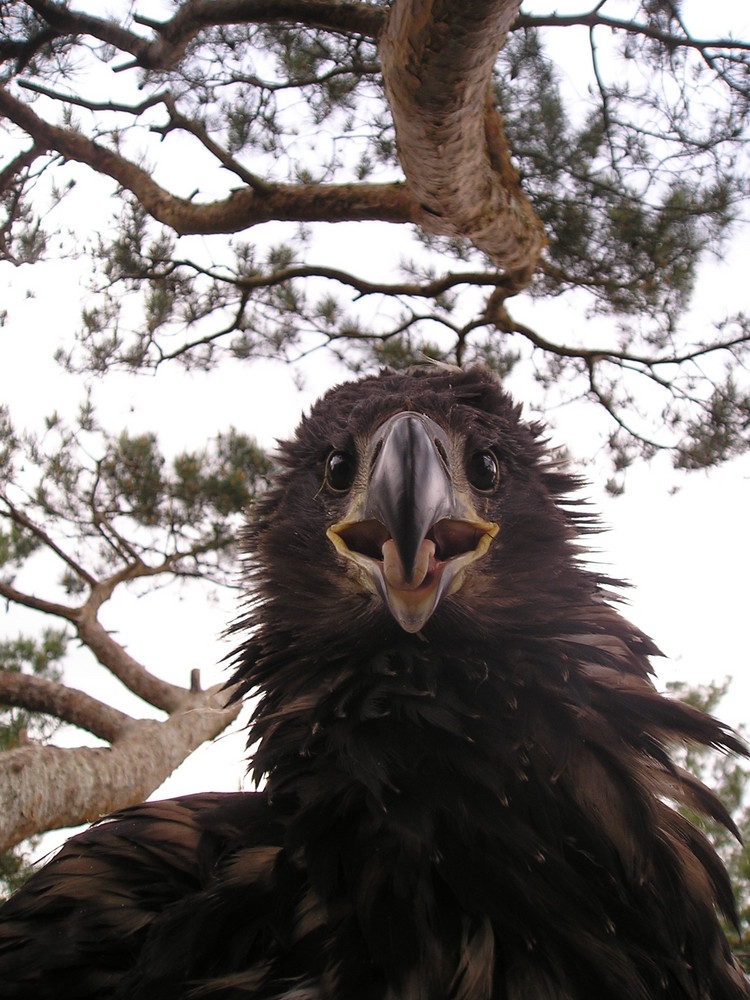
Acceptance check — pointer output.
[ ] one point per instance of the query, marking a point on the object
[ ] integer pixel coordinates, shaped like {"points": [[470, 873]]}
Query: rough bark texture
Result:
{"points": [[437, 60], [38, 694], [47, 788]]}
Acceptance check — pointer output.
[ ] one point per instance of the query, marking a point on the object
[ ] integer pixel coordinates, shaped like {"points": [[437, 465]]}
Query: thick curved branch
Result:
{"points": [[38, 694], [46, 788], [241, 209], [437, 59]]}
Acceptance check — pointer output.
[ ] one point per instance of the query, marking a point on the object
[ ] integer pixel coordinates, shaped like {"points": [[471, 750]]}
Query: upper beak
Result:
{"points": [[411, 533]]}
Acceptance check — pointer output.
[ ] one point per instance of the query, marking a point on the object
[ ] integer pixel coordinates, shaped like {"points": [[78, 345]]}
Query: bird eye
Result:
{"points": [[340, 471], [483, 472]]}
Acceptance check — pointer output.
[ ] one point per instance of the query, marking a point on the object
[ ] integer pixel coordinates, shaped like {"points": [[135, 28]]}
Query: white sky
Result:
{"points": [[687, 553]]}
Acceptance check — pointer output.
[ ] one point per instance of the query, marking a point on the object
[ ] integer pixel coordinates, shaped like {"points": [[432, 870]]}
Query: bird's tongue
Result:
{"points": [[393, 568]]}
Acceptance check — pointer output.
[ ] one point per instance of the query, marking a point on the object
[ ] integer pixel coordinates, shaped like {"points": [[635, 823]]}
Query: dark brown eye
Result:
{"points": [[341, 467], [483, 472]]}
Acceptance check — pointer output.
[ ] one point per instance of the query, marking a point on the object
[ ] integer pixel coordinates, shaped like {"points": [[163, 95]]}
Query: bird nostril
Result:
{"points": [[440, 448]]}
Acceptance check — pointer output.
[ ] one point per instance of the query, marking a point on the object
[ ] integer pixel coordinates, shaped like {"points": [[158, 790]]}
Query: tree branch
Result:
{"points": [[23, 521], [119, 662], [25, 49], [298, 82], [107, 651], [596, 354], [17, 165], [437, 65], [46, 788], [430, 288], [593, 19], [79, 102], [437, 59], [38, 694], [179, 121], [36, 603], [242, 209], [173, 36]]}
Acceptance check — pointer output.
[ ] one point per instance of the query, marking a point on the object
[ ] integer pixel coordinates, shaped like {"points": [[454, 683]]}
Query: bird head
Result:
{"points": [[412, 525], [409, 497]]}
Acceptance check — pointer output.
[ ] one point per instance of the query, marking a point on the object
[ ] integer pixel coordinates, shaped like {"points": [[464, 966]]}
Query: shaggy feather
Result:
{"points": [[483, 810]]}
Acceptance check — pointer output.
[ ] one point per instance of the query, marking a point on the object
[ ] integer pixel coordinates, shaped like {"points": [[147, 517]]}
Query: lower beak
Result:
{"points": [[412, 535]]}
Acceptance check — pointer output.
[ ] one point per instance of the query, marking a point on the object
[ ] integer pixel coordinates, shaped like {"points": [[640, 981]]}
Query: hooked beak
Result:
{"points": [[411, 534]]}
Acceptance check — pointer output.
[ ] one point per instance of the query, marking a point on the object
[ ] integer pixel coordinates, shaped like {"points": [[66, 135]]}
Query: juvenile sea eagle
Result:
{"points": [[469, 791]]}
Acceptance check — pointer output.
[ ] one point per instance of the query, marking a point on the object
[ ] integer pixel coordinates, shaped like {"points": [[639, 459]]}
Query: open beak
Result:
{"points": [[411, 534]]}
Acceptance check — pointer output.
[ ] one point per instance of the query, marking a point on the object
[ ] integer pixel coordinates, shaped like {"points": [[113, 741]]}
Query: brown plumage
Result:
{"points": [[469, 789]]}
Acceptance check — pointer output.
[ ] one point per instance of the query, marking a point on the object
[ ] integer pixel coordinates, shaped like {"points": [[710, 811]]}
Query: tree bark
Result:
{"points": [[437, 58], [38, 694], [47, 788]]}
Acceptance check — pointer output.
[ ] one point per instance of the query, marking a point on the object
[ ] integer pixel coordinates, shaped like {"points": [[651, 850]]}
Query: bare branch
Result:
{"points": [[497, 314], [593, 19], [36, 603], [603, 399], [45, 788], [174, 35], [428, 289], [118, 661], [241, 209], [300, 82], [191, 125], [38, 694], [17, 165], [24, 521], [107, 651], [80, 102]]}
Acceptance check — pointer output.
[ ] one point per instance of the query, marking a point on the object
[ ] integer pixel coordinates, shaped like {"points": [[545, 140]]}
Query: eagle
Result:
{"points": [[467, 784]]}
